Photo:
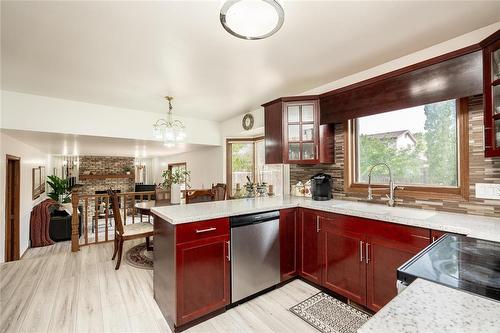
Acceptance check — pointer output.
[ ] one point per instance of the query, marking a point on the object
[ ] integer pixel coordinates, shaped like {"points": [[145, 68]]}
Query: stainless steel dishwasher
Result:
{"points": [[255, 253]]}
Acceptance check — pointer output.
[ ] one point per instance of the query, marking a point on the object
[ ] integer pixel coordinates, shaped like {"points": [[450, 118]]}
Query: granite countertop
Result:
{"points": [[471, 225], [429, 307]]}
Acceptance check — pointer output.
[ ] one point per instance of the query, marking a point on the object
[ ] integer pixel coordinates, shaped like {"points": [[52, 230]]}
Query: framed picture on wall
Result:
{"points": [[42, 179], [35, 182], [38, 182]]}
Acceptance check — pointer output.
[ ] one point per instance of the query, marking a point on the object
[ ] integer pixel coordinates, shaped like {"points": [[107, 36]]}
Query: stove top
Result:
{"points": [[460, 262]]}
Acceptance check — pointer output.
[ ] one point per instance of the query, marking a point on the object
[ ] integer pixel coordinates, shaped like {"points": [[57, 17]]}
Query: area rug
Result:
{"points": [[329, 315], [138, 256]]}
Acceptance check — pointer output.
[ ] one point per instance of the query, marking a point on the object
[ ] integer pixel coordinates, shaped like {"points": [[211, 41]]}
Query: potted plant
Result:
{"points": [[60, 189], [127, 169], [172, 180]]}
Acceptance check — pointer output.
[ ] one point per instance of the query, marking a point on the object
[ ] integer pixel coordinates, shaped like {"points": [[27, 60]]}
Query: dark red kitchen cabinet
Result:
{"points": [[293, 133], [436, 234], [491, 94], [384, 258], [387, 247], [288, 243], [344, 269], [309, 243], [202, 277]]}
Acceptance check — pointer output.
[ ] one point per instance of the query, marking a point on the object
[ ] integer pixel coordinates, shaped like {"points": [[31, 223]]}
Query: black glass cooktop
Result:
{"points": [[460, 262]]}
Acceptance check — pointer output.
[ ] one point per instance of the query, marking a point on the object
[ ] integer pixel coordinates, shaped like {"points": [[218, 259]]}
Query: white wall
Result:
{"points": [[54, 115], [30, 158], [233, 128], [205, 166], [459, 42]]}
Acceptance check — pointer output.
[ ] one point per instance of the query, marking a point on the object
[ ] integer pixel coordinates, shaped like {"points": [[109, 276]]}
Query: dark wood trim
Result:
{"points": [[490, 39], [12, 192], [455, 78], [460, 192], [171, 165], [404, 70], [252, 139], [292, 99], [110, 176]]}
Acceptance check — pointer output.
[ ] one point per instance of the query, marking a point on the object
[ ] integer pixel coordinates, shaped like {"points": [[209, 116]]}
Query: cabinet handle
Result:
{"points": [[361, 251], [367, 250], [433, 239], [205, 230], [317, 151], [317, 224], [228, 256]]}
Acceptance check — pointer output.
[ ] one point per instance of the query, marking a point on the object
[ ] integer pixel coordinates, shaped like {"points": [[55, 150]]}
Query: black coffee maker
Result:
{"points": [[321, 187]]}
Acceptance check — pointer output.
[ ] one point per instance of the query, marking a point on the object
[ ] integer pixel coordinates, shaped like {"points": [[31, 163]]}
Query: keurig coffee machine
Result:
{"points": [[321, 187]]}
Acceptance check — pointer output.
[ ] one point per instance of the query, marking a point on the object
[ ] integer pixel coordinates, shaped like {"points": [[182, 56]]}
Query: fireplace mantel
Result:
{"points": [[107, 176]]}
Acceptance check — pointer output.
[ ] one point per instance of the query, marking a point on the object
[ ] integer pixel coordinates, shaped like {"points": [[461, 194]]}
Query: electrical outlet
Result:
{"points": [[488, 191]]}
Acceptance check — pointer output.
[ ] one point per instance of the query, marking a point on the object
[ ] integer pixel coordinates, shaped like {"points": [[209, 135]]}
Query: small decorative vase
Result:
{"points": [[175, 194]]}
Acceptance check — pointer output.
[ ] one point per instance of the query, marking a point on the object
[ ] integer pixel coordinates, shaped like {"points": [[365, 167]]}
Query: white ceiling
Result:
{"points": [[65, 144], [130, 54]]}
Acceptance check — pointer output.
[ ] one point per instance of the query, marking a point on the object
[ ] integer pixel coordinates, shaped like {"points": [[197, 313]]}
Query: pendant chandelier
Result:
{"points": [[170, 131], [252, 19]]}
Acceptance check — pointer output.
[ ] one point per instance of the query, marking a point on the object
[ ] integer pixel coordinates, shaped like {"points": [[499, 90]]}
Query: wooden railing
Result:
{"points": [[97, 207]]}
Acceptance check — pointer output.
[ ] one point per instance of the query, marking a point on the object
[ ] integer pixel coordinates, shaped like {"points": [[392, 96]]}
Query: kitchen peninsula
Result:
{"points": [[192, 249]]}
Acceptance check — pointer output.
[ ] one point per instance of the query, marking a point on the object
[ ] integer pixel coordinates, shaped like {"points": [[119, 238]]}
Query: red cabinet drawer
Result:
{"points": [[200, 230]]}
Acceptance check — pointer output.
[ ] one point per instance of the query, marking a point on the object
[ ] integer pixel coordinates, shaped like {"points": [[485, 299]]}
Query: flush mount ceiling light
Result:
{"points": [[252, 19], [170, 131]]}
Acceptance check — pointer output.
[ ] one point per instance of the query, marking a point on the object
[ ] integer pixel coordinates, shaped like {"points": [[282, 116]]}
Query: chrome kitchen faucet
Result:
{"points": [[392, 187]]}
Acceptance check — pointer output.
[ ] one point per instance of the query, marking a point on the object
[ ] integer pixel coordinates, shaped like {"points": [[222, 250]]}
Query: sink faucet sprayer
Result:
{"points": [[392, 187]]}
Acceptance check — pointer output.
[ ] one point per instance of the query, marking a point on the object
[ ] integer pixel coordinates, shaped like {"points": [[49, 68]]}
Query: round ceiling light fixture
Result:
{"points": [[252, 19]]}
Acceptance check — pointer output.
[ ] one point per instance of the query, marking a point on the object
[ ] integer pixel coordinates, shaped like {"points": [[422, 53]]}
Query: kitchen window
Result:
{"points": [[246, 158], [425, 147]]}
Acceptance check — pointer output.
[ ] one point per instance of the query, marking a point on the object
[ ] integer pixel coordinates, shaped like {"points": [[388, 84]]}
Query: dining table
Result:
{"points": [[144, 207]]}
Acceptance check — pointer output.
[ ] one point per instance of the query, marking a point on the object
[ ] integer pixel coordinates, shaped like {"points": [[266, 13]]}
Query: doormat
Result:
{"points": [[329, 315]]}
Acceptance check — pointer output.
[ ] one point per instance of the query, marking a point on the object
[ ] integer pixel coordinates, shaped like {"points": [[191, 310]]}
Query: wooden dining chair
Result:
{"points": [[194, 196], [220, 191], [128, 231]]}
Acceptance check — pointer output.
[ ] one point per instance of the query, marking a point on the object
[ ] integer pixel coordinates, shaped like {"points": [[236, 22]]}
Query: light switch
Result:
{"points": [[488, 191]]}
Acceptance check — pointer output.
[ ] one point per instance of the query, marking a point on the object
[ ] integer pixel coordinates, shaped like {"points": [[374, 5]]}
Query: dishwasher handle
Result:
{"points": [[243, 220]]}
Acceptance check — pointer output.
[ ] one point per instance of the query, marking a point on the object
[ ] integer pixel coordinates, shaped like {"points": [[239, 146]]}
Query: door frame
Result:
{"points": [[12, 252]]}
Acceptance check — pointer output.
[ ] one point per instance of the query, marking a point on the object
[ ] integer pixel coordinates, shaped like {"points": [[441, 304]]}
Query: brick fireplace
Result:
{"points": [[105, 172]]}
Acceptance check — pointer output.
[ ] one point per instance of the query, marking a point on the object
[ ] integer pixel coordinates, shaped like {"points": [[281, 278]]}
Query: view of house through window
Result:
{"points": [[419, 144], [247, 159]]}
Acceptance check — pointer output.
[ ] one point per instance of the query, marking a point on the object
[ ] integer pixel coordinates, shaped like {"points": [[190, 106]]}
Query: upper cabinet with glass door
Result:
{"points": [[491, 77], [293, 134], [301, 132]]}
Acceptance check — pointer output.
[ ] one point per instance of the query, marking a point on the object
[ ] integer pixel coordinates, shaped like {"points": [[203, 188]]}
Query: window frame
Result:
{"points": [[460, 192], [229, 164]]}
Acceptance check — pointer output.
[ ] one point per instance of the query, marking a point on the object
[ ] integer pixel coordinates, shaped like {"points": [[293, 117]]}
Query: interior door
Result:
{"points": [[344, 261], [310, 266], [12, 207]]}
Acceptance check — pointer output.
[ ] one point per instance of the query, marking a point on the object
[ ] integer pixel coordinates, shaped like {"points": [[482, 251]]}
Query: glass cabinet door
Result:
{"points": [[301, 131], [491, 79]]}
